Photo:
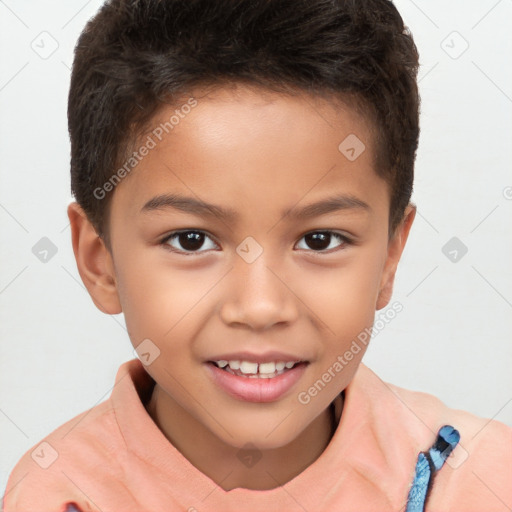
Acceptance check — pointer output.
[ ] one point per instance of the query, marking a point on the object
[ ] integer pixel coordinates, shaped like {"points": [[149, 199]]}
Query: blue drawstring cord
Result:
{"points": [[428, 464]]}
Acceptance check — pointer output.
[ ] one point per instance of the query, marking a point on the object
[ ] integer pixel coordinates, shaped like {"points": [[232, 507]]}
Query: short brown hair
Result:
{"points": [[135, 55]]}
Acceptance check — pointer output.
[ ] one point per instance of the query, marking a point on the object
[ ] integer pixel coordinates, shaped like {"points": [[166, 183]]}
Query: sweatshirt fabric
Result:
{"points": [[114, 458]]}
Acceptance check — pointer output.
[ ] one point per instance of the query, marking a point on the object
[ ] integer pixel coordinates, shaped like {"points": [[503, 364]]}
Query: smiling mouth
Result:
{"points": [[252, 370]]}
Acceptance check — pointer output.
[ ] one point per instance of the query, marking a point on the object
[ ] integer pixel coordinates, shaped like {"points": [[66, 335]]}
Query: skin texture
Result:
{"points": [[258, 153]]}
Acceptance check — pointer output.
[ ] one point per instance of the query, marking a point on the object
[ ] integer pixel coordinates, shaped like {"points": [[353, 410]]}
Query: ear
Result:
{"points": [[94, 262], [395, 248]]}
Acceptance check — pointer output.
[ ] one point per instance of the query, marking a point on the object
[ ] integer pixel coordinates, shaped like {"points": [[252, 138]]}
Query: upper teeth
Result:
{"points": [[253, 368]]}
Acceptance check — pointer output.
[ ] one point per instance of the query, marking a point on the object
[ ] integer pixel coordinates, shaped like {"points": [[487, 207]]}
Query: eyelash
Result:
{"points": [[346, 241]]}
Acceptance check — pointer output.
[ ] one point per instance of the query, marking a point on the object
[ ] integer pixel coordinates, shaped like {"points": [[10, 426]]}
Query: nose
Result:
{"points": [[257, 296]]}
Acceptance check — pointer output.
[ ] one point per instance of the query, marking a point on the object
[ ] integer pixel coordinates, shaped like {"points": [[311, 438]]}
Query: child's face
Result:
{"points": [[258, 158]]}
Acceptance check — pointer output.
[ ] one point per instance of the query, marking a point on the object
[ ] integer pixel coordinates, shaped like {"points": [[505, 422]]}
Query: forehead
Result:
{"points": [[253, 150]]}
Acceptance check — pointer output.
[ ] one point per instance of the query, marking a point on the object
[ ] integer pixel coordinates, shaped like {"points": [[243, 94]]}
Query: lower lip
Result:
{"points": [[256, 390]]}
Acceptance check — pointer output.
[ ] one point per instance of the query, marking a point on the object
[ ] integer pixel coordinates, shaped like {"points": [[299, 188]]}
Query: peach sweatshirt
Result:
{"points": [[113, 458]]}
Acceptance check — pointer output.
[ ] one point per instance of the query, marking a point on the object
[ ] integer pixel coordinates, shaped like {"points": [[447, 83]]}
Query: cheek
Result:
{"points": [[342, 298], [157, 298]]}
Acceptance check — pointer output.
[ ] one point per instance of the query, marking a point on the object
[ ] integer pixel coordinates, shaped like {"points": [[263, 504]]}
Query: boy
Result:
{"points": [[217, 146]]}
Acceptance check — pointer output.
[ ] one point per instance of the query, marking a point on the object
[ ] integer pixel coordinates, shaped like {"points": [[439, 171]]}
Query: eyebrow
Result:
{"points": [[201, 208]]}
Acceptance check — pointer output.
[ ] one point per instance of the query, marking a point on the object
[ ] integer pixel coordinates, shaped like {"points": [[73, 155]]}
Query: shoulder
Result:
{"points": [[53, 467], [478, 474], [88, 455]]}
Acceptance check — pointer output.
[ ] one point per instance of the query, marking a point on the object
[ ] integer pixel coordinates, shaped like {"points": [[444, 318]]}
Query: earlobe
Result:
{"points": [[395, 248], [94, 262]]}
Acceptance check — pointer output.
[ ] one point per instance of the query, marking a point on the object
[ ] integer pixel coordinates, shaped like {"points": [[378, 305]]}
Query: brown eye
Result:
{"points": [[189, 241], [320, 241]]}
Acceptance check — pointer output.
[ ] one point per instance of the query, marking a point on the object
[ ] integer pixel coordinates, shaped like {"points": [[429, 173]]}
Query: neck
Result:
{"points": [[214, 458]]}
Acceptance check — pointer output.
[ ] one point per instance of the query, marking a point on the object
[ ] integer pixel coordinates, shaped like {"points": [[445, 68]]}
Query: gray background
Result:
{"points": [[59, 354]]}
